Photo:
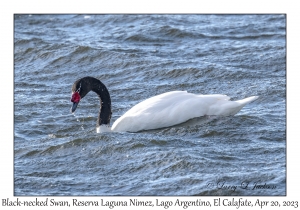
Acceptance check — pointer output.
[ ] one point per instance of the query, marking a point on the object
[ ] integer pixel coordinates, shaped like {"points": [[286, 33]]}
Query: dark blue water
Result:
{"points": [[136, 57]]}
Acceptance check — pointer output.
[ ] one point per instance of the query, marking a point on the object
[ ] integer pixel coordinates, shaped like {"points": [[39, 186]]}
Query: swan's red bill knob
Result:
{"points": [[75, 99]]}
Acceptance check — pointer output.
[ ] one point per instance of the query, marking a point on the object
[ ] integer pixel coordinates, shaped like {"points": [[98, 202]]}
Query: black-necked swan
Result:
{"points": [[160, 111]]}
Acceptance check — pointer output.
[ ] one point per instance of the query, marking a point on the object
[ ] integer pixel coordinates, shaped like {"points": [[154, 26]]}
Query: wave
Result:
{"points": [[146, 38]]}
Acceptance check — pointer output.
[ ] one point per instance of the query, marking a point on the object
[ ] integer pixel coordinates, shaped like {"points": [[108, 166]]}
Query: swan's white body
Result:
{"points": [[172, 108]]}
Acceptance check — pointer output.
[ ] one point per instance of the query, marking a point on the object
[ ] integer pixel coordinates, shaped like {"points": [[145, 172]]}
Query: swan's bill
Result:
{"points": [[75, 99], [74, 107]]}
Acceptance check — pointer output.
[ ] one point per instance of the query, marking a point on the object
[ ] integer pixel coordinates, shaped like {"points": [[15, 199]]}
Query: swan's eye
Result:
{"points": [[75, 97]]}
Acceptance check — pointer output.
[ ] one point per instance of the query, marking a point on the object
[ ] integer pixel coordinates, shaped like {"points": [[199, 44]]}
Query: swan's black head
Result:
{"points": [[86, 84], [79, 89]]}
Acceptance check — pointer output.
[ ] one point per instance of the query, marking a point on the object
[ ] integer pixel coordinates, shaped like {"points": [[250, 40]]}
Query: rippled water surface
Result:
{"points": [[136, 57]]}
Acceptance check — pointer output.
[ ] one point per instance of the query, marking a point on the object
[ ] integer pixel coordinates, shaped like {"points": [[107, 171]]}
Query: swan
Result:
{"points": [[160, 111]]}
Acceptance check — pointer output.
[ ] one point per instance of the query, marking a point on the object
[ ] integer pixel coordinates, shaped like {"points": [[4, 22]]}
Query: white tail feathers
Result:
{"points": [[247, 100]]}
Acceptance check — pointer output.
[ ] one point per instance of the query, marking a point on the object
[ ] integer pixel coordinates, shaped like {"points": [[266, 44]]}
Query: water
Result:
{"points": [[136, 57]]}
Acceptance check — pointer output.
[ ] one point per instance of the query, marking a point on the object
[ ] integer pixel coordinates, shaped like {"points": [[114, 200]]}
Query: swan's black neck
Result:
{"points": [[87, 84]]}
